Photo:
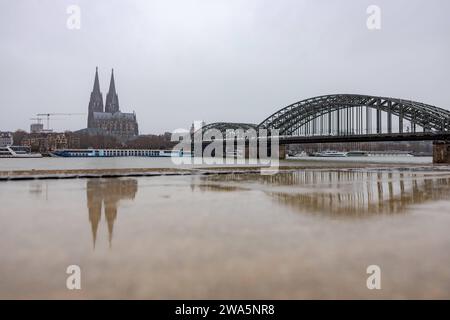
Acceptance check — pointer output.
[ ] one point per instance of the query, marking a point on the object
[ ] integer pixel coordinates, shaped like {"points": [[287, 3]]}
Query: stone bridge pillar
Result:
{"points": [[441, 152], [282, 152]]}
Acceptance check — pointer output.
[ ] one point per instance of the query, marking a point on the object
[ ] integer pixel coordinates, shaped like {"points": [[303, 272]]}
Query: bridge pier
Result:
{"points": [[281, 152], [441, 152]]}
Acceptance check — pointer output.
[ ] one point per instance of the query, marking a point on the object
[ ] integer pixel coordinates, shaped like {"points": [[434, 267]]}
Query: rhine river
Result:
{"points": [[136, 162], [297, 234]]}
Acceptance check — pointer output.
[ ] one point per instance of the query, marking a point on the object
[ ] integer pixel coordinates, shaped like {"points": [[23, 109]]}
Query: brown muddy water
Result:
{"points": [[293, 235]]}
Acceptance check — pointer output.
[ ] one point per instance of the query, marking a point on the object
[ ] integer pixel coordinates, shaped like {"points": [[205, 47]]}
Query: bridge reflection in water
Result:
{"points": [[341, 193], [107, 193]]}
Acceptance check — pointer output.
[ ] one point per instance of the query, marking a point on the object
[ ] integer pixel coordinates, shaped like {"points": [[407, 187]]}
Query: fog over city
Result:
{"points": [[229, 60]]}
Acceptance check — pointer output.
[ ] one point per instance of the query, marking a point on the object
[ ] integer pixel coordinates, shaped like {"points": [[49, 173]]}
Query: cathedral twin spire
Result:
{"points": [[112, 99], [107, 118]]}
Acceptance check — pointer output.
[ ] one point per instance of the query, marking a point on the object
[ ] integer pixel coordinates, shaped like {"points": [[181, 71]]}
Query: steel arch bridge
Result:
{"points": [[345, 114], [223, 126], [344, 117]]}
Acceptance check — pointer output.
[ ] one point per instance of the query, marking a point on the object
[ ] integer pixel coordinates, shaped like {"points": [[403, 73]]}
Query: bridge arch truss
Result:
{"points": [[350, 114]]}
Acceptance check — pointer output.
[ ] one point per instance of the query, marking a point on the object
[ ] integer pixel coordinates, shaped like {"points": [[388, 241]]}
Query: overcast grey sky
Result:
{"points": [[216, 60]]}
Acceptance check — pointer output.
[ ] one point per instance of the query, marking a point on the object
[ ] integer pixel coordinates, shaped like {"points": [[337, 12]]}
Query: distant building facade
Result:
{"points": [[36, 127], [109, 119], [45, 142], [6, 139]]}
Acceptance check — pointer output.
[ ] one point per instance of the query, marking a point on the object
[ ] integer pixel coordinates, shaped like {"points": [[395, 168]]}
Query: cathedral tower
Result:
{"points": [[96, 100], [109, 120], [112, 100]]}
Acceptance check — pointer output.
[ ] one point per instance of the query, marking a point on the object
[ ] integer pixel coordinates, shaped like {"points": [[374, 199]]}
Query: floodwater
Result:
{"points": [[303, 234], [49, 163], [401, 159], [9, 164]]}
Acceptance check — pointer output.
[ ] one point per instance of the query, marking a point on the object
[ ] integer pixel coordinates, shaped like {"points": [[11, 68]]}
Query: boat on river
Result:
{"points": [[329, 154], [357, 154], [109, 153], [18, 152]]}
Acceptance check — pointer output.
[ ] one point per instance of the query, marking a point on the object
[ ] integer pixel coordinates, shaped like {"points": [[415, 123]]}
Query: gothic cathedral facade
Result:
{"points": [[109, 120]]}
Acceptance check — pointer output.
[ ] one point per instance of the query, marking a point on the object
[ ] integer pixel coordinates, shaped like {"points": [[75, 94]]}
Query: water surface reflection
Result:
{"points": [[337, 194], [106, 194], [302, 234], [340, 193]]}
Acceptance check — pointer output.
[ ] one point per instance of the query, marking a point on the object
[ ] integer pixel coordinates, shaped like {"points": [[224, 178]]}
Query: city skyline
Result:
{"points": [[219, 157], [216, 61]]}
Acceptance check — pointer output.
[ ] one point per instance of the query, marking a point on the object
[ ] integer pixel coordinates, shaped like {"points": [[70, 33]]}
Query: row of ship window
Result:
{"points": [[130, 153]]}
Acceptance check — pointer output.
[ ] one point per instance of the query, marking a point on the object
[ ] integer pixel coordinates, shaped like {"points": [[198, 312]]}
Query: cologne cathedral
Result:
{"points": [[109, 120]]}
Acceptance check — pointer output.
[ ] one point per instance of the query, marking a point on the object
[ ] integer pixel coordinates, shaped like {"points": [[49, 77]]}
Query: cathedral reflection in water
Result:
{"points": [[105, 194], [339, 194]]}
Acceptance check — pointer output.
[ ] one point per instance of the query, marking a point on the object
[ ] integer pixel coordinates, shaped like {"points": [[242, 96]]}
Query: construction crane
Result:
{"points": [[48, 115], [38, 120]]}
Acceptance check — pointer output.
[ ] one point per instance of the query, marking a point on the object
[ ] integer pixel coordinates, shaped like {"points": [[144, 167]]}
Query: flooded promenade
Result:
{"points": [[302, 233]]}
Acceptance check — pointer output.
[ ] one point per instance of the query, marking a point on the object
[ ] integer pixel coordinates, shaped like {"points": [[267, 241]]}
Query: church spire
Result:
{"points": [[96, 88], [112, 85], [112, 100], [96, 100]]}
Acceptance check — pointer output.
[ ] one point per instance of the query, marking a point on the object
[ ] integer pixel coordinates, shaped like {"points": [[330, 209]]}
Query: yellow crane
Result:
{"points": [[48, 115]]}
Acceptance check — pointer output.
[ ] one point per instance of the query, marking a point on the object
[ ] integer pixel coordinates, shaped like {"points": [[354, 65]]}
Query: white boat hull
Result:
{"points": [[17, 152]]}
